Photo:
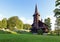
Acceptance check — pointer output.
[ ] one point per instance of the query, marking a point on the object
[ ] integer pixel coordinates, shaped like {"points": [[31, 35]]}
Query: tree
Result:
{"points": [[57, 15], [57, 2], [27, 26], [14, 22], [57, 25], [19, 24], [48, 22], [0, 24], [57, 12], [4, 23]]}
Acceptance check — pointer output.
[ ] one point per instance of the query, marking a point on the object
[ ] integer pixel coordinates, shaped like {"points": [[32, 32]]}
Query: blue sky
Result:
{"points": [[24, 9]]}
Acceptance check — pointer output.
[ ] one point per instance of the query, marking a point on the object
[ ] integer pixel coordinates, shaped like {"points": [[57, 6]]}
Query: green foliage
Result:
{"points": [[48, 23], [4, 23], [57, 15], [27, 26], [57, 12], [57, 2], [57, 32], [40, 31], [7, 32], [19, 24], [57, 26], [22, 32], [12, 32], [58, 21], [14, 22], [4, 32], [52, 33], [0, 24]]}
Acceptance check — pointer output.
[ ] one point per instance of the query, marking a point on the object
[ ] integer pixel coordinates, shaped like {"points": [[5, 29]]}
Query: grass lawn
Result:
{"points": [[28, 38]]}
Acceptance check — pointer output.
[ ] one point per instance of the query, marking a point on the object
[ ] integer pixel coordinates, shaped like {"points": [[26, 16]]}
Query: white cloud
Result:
{"points": [[1, 16], [52, 21], [25, 20]]}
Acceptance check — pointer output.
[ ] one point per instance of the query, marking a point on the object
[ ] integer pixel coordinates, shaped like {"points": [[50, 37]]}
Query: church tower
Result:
{"points": [[36, 17], [37, 23]]}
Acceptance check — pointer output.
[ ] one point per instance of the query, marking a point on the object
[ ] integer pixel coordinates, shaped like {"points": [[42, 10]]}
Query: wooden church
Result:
{"points": [[37, 23]]}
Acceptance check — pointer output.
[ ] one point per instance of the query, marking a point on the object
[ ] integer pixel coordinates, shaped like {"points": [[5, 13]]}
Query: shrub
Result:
{"points": [[4, 32], [22, 32], [13, 32], [52, 33], [40, 31]]}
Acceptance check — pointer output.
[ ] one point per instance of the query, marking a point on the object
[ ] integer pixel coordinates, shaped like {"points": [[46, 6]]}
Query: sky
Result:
{"points": [[24, 9]]}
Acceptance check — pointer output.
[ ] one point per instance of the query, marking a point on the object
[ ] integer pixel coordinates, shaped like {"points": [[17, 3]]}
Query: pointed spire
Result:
{"points": [[36, 10]]}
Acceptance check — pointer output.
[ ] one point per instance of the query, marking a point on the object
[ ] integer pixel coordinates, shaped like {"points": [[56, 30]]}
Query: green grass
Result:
{"points": [[28, 38]]}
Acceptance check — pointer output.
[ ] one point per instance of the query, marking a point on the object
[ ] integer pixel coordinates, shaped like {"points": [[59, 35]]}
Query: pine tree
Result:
{"points": [[57, 15]]}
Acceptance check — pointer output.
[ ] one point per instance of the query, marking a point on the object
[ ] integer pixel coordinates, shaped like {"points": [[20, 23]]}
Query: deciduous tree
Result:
{"points": [[14, 22], [48, 22], [27, 26], [4, 23]]}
